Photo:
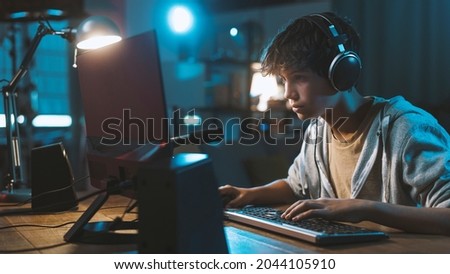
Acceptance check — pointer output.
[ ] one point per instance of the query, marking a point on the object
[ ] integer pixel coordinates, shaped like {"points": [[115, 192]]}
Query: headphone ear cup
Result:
{"points": [[344, 70]]}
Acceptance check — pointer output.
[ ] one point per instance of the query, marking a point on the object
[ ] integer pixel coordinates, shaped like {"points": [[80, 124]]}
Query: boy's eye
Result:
{"points": [[295, 77]]}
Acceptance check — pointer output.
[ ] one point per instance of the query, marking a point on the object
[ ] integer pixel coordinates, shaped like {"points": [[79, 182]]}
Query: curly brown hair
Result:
{"points": [[303, 45]]}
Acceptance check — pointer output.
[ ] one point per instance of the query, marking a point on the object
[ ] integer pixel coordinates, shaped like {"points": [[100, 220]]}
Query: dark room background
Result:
{"points": [[404, 52]]}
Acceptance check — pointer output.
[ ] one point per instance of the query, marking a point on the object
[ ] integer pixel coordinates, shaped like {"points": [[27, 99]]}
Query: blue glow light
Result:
{"points": [[181, 19], [184, 159], [2, 121], [234, 32], [52, 121], [18, 15], [194, 120], [55, 12], [20, 120]]}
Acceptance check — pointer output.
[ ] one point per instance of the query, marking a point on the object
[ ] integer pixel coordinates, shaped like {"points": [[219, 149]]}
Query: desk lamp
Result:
{"points": [[94, 32]]}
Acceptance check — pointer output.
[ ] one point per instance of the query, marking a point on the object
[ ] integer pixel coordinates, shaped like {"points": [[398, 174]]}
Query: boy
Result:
{"points": [[363, 158]]}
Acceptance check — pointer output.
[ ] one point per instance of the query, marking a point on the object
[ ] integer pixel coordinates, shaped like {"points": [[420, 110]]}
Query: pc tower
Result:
{"points": [[180, 210]]}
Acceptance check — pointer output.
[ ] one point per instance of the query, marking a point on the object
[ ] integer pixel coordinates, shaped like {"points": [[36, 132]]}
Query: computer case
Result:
{"points": [[180, 210]]}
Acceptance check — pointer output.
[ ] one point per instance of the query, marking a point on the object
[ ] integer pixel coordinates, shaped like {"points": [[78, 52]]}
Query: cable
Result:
{"points": [[119, 220], [36, 225], [61, 189], [111, 189], [121, 185], [47, 192], [315, 154], [91, 195]]}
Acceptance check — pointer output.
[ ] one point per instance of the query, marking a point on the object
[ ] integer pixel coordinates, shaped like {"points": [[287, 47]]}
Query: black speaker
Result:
{"points": [[345, 68], [180, 210], [51, 179]]}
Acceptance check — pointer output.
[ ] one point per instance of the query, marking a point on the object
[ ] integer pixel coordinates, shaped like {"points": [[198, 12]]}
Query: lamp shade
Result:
{"points": [[96, 32]]}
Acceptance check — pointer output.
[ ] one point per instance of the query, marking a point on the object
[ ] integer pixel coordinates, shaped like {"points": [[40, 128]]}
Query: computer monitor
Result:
{"points": [[127, 132], [124, 106]]}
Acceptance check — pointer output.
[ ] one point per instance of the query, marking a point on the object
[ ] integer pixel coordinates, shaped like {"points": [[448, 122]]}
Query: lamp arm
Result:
{"points": [[23, 69], [10, 108]]}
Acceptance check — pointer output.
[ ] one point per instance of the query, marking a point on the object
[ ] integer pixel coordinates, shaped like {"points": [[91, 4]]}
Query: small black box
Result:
{"points": [[51, 179]]}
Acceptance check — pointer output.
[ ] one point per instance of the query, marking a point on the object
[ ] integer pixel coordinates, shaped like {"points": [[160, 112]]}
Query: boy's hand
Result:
{"points": [[344, 210], [234, 196]]}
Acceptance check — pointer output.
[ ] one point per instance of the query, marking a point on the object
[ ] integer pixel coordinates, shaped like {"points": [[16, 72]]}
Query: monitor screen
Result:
{"points": [[122, 92], [124, 105]]}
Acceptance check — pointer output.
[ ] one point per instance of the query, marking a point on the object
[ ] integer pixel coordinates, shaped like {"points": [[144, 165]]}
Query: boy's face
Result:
{"points": [[308, 93]]}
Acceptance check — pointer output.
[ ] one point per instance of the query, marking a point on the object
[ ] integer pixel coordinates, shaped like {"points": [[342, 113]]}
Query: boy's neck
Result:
{"points": [[348, 113]]}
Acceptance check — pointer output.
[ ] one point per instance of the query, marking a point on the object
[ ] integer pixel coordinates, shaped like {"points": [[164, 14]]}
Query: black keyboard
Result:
{"points": [[318, 231]]}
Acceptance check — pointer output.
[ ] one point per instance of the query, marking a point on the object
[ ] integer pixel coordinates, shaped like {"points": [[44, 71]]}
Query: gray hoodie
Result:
{"points": [[406, 154]]}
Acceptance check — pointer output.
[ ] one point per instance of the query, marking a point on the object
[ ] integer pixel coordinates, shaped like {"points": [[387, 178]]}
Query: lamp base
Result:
{"points": [[16, 196]]}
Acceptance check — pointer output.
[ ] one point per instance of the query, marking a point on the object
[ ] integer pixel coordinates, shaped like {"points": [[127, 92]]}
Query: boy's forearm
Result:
{"points": [[411, 219], [277, 192]]}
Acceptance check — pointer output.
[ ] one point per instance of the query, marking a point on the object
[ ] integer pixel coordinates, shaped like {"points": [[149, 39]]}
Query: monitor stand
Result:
{"points": [[104, 232], [117, 231]]}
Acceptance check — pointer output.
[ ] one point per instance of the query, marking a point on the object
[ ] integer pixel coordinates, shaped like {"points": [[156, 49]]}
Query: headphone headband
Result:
{"points": [[344, 69]]}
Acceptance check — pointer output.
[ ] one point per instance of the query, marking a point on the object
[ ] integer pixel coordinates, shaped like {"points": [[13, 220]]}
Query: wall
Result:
{"points": [[209, 36]]}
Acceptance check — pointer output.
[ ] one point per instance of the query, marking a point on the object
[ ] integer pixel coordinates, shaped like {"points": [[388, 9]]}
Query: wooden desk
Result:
{"points": [[50, 240], [245, 239], [241, 238]]}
